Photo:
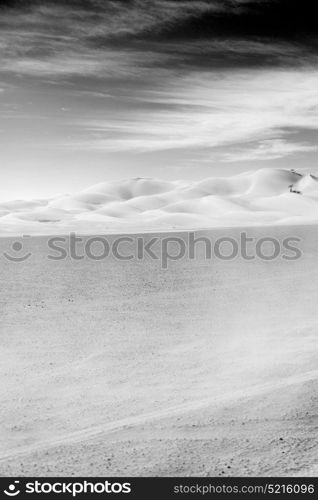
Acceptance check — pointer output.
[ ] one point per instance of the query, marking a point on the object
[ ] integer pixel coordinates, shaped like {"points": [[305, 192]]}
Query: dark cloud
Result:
{"points": [[273, 19], [180, 34], [188, 19]]}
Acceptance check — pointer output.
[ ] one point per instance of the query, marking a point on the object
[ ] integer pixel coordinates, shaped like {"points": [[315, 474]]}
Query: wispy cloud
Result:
{"points": [[231, 80], [270, 149], [83, 38], [211, 111]]}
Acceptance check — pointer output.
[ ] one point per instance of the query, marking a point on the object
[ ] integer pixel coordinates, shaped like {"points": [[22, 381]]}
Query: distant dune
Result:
{"points": [[266, 196]]}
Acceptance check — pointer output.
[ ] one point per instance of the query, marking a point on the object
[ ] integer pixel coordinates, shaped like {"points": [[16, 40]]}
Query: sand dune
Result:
{"points": [[265, 196]]}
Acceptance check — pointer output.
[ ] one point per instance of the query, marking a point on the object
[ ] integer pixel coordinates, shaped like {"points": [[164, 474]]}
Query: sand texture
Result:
{"points": [[125, 368]]}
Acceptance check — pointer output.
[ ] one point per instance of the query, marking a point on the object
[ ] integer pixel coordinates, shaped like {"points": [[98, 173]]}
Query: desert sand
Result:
{"points": [[264, 197], [120, 368]]}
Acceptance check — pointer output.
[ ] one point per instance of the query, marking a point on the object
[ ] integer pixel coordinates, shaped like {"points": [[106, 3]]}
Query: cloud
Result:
{"points": [[167, 74], [270, 149], [41, 38], [210, 111]]}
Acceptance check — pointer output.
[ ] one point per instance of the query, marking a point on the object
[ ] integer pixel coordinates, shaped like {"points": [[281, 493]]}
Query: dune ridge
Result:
{"points": [[265, 196]]}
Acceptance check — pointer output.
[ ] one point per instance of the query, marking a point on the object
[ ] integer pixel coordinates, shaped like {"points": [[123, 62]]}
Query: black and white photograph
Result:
{"points": [[158, 241]]}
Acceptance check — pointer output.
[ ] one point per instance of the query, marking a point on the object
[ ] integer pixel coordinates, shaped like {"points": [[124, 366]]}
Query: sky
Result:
{"points": [[97, 90]]}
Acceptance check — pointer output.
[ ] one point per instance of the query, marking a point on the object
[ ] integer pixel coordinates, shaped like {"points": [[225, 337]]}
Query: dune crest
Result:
{"points": [[266, 196]]}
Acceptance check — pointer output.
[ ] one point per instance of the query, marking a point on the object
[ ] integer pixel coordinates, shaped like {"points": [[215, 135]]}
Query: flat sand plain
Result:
{"points": [[117, 368]]}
